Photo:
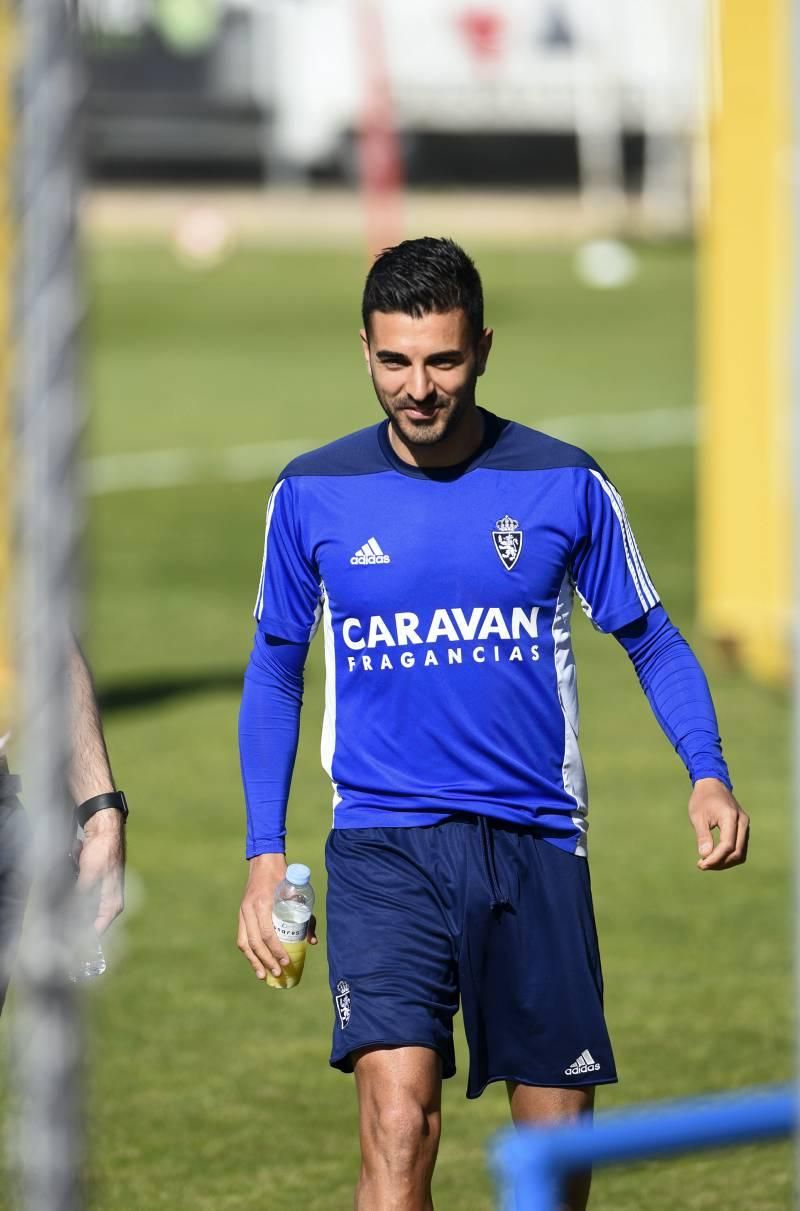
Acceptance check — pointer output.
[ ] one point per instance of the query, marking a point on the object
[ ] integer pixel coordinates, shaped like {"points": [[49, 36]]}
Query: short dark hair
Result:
{"points": [[422, 276]]}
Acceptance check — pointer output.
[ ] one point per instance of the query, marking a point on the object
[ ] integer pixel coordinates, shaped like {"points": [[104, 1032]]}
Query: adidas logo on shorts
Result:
{"points": [[370, 553], [584, 1063]]}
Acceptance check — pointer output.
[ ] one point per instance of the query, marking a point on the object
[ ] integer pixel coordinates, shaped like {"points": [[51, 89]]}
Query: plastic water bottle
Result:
{"points": [[291, 913], [87, 960], [90, 964]]}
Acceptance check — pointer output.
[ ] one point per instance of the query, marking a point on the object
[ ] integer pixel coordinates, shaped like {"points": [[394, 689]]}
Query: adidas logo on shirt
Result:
{"points": [[584, 1063], [370, 553]]}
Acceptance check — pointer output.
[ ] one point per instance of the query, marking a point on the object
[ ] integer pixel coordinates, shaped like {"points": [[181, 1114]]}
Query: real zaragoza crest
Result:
{"points": [[343, 1002], [507, 539]]}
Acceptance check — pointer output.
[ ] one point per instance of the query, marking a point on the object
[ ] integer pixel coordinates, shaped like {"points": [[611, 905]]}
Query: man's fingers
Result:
{"points": [[88, 877], [257, 961], [312, 931], [261, 941], [267, 932], [705, 842], [111, 905], [712, 806], [104, 919], [244, 946], [718, 856], [739, 854], [724, 849], [101, 880], [101, 860]]}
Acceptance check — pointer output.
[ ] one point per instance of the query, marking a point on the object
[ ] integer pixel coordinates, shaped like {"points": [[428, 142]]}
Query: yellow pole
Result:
{"points": [[744, 492], [7, 67]]}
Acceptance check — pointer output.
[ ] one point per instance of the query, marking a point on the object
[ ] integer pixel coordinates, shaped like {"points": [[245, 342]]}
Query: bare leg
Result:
{"points": [[400, 1109], [533, 1104]]}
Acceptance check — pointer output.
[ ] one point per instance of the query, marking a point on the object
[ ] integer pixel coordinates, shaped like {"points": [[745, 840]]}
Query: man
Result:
{"points": [[101, 812], [442, 549]]}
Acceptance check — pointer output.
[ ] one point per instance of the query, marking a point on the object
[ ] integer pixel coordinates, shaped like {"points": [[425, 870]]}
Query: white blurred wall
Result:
{"points": [[495, 65]]}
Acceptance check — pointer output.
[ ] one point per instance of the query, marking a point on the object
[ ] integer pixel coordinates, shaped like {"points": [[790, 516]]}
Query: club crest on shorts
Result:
{"points": [[343, 1002], [507, 539]]}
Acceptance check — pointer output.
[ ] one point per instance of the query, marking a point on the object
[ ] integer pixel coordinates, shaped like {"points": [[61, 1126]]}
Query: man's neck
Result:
{"points": [[456, 448]]}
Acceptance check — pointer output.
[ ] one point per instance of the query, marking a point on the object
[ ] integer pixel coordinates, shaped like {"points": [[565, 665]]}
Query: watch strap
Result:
{"points": [[99, 803]]}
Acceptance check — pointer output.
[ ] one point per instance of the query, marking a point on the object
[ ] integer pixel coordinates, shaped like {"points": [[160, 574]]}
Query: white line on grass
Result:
{"points": [[176, 468], [611, 431]]}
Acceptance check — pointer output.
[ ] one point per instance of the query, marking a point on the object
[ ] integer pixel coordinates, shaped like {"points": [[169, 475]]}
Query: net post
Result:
{"points": [[47, 1140], [7, 64]]}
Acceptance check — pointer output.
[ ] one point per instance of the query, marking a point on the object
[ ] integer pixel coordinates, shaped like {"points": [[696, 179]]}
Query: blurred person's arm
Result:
{"points": [[269, 728], [102, 855], [678, 693]]}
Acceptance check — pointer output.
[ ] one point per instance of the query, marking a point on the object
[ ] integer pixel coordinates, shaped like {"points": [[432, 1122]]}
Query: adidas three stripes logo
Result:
{"points": [[584, 1063], [370, 553]]}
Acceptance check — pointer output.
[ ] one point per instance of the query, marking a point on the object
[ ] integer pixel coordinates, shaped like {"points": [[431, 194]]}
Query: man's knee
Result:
{"points": [[399, 1093], [401, 1131]]}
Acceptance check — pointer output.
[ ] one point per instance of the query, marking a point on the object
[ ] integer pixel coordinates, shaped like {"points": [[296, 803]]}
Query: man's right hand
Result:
{"points": [[257, 939]]}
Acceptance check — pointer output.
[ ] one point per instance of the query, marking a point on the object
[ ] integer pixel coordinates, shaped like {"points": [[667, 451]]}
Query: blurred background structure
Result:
{"points": [[40, 145], [618, 170], [538, 92], [744, 574]]}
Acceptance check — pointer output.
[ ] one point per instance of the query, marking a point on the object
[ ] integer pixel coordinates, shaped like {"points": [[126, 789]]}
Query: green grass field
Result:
{"points": [[207, 1090]]}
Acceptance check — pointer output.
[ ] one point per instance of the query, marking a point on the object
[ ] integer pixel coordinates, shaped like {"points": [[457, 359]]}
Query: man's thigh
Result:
{"points": [[398, 1076], [530, 977], [392, 953], [537, 1104]]}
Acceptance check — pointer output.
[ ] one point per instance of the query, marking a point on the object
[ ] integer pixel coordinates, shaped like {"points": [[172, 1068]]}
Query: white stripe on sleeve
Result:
{"points": [[259, 608], [647, 582], [644, 589]]}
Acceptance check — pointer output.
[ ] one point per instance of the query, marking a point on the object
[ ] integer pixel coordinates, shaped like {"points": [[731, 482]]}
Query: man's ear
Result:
{"points": [[484, 348], [365, 349]]}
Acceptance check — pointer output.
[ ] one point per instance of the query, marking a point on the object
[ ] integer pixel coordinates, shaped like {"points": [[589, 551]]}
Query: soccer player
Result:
{"points": [[441, 550]]}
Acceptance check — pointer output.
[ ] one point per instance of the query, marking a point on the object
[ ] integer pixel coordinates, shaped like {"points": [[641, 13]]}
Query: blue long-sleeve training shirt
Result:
{"points": [[445, 598]]}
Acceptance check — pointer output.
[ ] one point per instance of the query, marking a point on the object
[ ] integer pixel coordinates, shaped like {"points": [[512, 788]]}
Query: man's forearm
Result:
{"points": [[90, 769], [678, 693], [269, 727]]}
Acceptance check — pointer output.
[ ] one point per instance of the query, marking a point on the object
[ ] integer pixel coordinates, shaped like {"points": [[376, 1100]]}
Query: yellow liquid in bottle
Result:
{"points": [[290, 976]]}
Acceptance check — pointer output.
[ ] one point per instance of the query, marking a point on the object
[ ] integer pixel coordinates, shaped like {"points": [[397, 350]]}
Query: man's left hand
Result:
{"points": [[712, 806], [101, 865]]}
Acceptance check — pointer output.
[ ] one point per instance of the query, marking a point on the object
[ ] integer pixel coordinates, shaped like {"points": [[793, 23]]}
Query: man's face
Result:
{"points": [[424, 371]]}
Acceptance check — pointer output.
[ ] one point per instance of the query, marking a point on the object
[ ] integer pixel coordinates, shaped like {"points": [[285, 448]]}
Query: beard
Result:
{"points": [[444, 415]]}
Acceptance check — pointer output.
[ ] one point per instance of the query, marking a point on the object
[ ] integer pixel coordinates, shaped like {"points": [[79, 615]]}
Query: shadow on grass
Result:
{"points": [[150, 691]]}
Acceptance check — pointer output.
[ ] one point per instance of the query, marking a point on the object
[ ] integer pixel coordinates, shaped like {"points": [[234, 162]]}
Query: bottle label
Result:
{"points": [[290, 931]]}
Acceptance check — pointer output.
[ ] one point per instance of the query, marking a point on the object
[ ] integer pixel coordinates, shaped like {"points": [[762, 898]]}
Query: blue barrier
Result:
{"points": [[532, 1162]]}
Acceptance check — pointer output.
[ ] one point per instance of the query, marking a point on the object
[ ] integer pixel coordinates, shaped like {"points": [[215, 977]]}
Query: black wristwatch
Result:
{"points": [[99, 803]]}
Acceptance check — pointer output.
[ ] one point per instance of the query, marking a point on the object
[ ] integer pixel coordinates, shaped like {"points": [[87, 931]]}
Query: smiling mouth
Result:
{"points": [[421, 411]]}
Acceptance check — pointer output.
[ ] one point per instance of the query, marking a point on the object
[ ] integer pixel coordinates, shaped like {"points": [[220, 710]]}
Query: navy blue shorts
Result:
{"points": [[476, 910]]}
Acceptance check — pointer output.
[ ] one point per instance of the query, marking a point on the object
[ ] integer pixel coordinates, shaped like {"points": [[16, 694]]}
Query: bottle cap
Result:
{"points": [[298, 874]]}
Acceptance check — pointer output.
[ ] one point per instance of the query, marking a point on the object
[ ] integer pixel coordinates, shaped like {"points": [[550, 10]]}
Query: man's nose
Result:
{"points": [[419, 384]]}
